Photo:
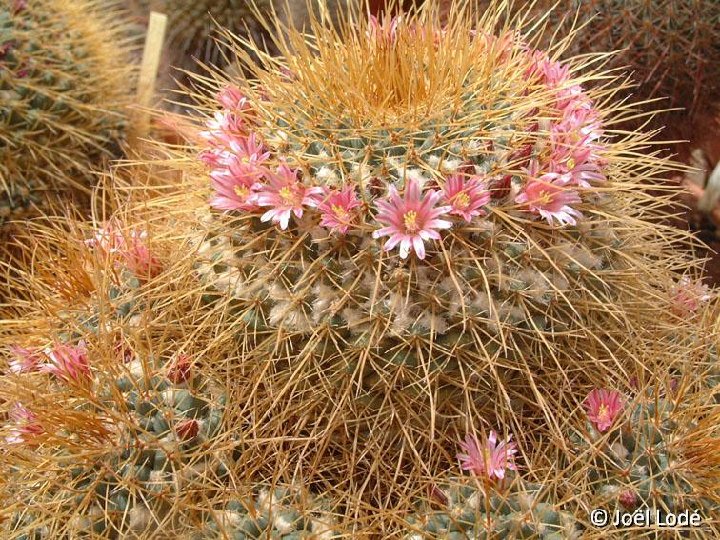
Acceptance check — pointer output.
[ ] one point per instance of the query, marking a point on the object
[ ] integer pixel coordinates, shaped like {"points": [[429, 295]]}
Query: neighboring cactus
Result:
{"points": [[65, 81], [471, 511], [641, 462], [282, 513], [159, 423], [669, 46]]}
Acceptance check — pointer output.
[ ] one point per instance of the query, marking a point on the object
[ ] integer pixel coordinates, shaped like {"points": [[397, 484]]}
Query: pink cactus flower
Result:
{"points": [[223, 128], [286, 195], [384, 32], [548, 197], [603, 407], [232, 99], [234, 192], [138, 258], [466, 196], [336, 210], [687, 296], [411, 220], [488, 458], [25, 427], [20, 5], [68, 363], [25, 360], [108, 239]]}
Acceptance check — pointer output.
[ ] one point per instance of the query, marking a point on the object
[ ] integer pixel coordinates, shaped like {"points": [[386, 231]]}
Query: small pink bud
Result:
{"points": [[628, 498], [232, 98], [180, 369], [188, 429], [68, 363], [25, 360], [500, 187]]}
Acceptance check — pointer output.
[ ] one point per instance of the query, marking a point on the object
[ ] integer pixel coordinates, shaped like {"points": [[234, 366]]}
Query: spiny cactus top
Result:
{"points": [[65, 82]]}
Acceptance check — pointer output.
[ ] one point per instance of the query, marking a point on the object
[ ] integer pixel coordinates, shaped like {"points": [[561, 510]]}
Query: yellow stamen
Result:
{"points": [[545, 197], [286, 195], [241, 191], [570, 163], [461, 200], [603, 412], [340, 213], [410, 219]]}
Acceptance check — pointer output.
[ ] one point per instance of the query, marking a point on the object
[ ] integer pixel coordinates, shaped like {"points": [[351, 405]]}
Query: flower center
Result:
{"points": [[410, 219], [570, 163], [544, 197], [603, 412], [461, 201], [287, 196], [487, 456], [241, 191], [340, 213]]}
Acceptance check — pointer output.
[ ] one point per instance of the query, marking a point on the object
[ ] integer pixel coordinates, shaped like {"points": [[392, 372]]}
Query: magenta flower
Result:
{"points": [[232, 99], [25, 360], [687, 296], [548, 197], [26, 425], [108, 239], [489, 458], [411, 220], [138, 258], [223, 128], [68, 363], [466, 196], [602, 407], [336, 210], [286, 195]]}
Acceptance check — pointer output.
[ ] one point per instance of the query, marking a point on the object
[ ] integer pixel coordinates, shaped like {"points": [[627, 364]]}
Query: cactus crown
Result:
{"points": [[65, 79]]}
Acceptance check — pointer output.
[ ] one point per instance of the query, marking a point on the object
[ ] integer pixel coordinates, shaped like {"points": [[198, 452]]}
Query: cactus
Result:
{"points": [[281, 513], [470, 511], [160, 422], [641, 462], [525, 212], [65, 81], [669, 46]]}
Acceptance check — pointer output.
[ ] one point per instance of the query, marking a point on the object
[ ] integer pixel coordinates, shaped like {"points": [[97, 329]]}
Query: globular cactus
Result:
{"points": [[635, 457], [65, 82], [517, 243], [465, 510], [157, 422], [282, 513], [669, 46]]}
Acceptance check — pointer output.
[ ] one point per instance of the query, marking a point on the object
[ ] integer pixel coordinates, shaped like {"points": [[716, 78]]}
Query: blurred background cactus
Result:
{"points": [[65, 81], [669, 46], [194, 44]]}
